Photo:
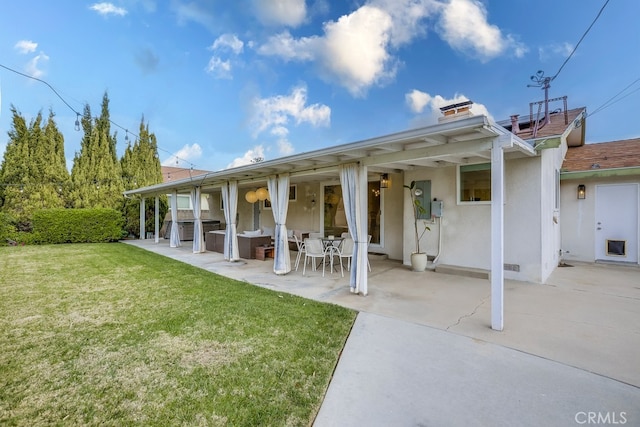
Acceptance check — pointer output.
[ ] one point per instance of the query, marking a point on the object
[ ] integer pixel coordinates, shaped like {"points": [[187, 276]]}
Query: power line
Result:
{"points": [[613, 99], [77, 124], [581, 38]]}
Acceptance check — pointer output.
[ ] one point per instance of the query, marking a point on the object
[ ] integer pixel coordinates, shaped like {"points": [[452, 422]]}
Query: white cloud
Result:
{"points": [[355, 50], [562, 50], [246, 159], [291, 13], [106, 9], [194, 12], [273, 114], [219, 68], [408, 17], [185, 156], [286, 47], [419, 101], [26, 46], [228, 42], [33, 67], [464, 26]]}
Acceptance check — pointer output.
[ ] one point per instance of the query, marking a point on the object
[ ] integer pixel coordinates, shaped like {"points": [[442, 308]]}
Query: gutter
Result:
{"points": [[600, 173]]}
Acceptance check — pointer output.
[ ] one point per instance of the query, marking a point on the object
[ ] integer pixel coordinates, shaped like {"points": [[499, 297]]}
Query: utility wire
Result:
{"points": [[613, 99], [580, 41], [78, 114]]}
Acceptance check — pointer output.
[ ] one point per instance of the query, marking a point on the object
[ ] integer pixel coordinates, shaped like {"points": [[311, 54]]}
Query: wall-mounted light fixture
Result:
{"points": [[384, 180], [582, 192]]}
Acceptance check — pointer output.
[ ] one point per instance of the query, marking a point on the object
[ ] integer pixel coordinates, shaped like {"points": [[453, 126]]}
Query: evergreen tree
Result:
{"points": [[96, 174], [140, 168], [33, 170]]}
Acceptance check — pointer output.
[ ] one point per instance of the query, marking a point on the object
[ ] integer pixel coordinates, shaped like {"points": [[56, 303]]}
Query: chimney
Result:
{"points": [[457, 111], [515, 127]]}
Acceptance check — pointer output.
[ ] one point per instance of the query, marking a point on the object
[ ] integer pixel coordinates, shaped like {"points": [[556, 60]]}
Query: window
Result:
{"points": [[184, 201], [474, 183]]}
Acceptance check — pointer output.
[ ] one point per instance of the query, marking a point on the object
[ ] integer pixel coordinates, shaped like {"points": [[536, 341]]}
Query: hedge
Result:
{"points": [[77, 225]]}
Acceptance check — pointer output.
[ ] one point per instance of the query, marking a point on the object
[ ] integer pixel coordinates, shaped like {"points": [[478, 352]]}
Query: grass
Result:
{"points": [[109, 334]]}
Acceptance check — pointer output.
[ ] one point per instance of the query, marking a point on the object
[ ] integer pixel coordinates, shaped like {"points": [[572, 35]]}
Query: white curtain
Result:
{"points": [[350, 177], [279, 193], [198, 236], [230, 202], [174, 241]]}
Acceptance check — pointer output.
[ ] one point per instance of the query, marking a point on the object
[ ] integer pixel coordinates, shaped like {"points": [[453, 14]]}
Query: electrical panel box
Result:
{"points": [[436, 209]]}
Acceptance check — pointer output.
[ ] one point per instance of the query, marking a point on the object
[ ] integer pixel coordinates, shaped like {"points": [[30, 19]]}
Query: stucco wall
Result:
{"points": [[392, 200], [466, 228], [578, 217]]}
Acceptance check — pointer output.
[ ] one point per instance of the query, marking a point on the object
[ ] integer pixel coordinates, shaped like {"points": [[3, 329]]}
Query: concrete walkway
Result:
{"points": [[422, 353]]}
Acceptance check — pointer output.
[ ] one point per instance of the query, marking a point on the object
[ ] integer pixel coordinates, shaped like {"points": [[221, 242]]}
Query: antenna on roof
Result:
{"points": [[544, 82]]}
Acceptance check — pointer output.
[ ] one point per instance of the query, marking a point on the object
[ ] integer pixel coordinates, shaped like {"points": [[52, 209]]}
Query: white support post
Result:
{"points": [[363, 218], [157, 220], [497, 236], [142, 219]]}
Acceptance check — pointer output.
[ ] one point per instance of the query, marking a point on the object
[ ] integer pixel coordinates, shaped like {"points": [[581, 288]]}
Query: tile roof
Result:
{"points": [[170, 173], [604, 155]]}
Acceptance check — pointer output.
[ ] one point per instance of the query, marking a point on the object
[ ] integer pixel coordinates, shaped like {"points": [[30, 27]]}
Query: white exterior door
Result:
{"points": [[617, 223]]}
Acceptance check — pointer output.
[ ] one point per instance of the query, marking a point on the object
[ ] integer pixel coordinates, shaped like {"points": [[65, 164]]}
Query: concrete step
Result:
{"points": [[477, 273]]}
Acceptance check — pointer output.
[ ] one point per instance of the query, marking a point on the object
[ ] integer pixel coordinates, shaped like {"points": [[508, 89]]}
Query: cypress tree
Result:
{"points": [[96, 173], [140, 168], [33, 171]]}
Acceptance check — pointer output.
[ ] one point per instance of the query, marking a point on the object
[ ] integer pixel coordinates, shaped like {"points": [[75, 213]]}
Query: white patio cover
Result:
{"points": [[230, 202], [279, 192], [350, 176], [198, 236], [174, 237]]}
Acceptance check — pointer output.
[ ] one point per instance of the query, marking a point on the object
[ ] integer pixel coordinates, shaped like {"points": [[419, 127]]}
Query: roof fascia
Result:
{"points": [[263, 169], [601, 173]]}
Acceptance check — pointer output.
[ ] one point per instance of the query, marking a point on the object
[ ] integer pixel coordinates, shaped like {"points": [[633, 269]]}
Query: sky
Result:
{"points": [[220, 83]]}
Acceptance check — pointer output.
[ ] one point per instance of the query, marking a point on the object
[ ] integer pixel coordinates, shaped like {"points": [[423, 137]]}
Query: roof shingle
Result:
{"points": [[604, 155]]}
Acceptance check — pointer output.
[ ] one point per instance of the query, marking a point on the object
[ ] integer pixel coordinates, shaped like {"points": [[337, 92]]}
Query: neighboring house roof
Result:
{"points": [[604, 158], [170, 173]]}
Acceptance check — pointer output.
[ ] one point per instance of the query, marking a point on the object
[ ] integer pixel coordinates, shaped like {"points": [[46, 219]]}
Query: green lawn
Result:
{"points": [[109, 334]]}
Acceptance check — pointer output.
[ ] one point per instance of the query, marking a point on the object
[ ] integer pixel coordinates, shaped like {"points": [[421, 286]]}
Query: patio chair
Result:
{"points": [[301, 250], [346, 251], [368, 243], [313, 249]]}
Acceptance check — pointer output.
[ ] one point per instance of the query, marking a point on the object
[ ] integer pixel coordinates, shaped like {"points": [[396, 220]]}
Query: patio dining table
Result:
{"points": [[332, 248]]}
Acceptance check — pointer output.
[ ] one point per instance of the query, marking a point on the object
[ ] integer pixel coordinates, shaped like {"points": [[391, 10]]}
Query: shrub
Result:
{"points": [[77, 225], [8, 229]]}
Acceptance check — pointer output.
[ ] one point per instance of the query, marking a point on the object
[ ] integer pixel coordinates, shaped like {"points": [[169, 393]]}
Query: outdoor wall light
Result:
{"points": [[384, 180], [582, 192]]}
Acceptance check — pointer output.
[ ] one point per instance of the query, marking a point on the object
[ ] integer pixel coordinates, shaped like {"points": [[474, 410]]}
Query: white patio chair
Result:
{"points": [[301, 250], [313, 250], [346, 251]]}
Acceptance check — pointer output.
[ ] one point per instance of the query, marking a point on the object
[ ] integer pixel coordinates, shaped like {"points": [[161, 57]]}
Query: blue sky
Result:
{"points": [[222, 82]]}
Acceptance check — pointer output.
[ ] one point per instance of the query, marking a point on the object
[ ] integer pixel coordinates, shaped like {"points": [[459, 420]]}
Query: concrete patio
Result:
{"points": [[421, 351], [586, 316]]}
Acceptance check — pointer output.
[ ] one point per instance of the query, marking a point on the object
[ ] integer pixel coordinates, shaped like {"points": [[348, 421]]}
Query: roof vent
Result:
{"points": [[457, 111]]}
